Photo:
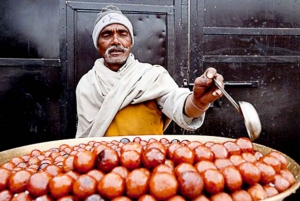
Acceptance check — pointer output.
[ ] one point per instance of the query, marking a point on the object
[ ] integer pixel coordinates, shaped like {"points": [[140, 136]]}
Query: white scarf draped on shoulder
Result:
{"points": [[101, 93]]}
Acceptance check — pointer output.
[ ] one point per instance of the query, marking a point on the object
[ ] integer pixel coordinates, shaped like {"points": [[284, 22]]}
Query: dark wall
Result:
{"points": [[30, 82]]}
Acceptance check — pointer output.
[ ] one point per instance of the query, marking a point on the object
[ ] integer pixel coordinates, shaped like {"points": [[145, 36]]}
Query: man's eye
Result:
{"points": [[105, 35]]}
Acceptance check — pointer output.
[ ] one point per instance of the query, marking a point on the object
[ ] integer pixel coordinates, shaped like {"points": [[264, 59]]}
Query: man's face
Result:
{"points": [[114, 45]]}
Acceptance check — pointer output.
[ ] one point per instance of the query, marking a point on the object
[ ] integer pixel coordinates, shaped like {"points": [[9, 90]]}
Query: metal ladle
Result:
{"points": [[248, 112]]}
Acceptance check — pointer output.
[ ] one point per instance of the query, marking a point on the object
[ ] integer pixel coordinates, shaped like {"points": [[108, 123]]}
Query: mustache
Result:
{"points": [[116, 48]]}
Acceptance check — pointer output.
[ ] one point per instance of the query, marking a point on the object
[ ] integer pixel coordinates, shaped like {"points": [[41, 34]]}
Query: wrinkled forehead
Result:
{"points": [[115, 26]]}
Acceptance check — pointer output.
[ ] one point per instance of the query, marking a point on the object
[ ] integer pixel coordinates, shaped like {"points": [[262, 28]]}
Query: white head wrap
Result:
{"points": [[111, 18]]}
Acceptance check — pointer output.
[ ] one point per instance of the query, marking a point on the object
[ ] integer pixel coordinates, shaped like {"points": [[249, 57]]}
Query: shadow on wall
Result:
{"points": [[23, 119]]}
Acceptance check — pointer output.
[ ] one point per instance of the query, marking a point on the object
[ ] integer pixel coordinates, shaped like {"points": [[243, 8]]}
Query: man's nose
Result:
{"points": [[116, 39]]}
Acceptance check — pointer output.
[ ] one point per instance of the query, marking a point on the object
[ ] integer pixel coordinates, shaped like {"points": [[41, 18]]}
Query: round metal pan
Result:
{"points": [[5, 156]]}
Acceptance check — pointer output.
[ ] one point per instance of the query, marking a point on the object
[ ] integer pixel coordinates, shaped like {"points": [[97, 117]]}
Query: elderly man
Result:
{"points": [[122, 96]]}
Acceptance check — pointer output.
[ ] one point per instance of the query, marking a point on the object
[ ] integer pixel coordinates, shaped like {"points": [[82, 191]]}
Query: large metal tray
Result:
{"points": [[15, 152]]}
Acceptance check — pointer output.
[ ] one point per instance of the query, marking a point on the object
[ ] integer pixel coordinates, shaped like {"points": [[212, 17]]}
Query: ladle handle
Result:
{"points": [[237, 107]]}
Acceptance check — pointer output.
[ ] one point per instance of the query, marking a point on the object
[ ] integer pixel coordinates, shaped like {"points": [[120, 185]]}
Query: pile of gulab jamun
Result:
{"points": [[146, 170]]}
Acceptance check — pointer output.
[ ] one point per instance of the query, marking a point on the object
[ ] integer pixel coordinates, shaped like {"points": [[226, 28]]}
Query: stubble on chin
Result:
{"points": [[116, 60]]}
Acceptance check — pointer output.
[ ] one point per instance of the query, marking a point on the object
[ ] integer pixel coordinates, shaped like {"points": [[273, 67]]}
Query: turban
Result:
{"points": [[110, 15]]}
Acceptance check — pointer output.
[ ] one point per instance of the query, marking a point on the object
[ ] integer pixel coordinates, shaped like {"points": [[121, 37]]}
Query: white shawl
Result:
{"points": [[101, 93]]}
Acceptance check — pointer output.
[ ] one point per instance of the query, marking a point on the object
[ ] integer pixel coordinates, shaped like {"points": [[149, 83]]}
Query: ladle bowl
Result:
{"points": [[247, 111]]}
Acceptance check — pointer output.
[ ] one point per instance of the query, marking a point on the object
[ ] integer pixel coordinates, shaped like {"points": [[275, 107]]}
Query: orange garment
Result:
{"points": [[138, 119]]}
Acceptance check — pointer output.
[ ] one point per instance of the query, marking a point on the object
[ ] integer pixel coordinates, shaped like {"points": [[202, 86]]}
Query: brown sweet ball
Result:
{"points": [[193, 144], [59, 160], [245, 144], [107, 160], [274, 162], [219, 150], [17, 181], [183, 155], [4, 175], [135, 146], [17, 160], [236, 159], [280, 183], [152, 157], [247, 156], [8, 165], [185, 142], [258, 155], [22, 196], [100, 147], [137, 183], [60, 185], [222, 196], [170, 163], [130, 159], [221, 163], [202, 166], [163, 168], [280, 156], [84, 161], [209, 144], [240, 195], [146, 171], [203, 153], [53, 170], [111, 185], [176, 198], [143, 143], [67, 198], [270, 190], [122, 171], [172, 148], [163, 185], [152, 140], [250, 173], [6, 195], [147, 197], [158, 145], [68, 164], [288, 175], [94, 197], [38, 183], [267, 172], [201, 198], [26, 157], [232, 148], [164, 140], [121, 198], [233, 178], [36, 152], [190, 184], [84, 186], [214, 181], [183, 167], [257, 192], [73, 174], [44, 198]]}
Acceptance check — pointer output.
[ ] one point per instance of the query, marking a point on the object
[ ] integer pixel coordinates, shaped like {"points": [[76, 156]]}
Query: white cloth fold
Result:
{"points": [[101, 93]]}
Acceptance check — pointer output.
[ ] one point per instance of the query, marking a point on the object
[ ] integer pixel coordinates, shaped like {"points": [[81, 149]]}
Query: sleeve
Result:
{"points": [[172, 105]]}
